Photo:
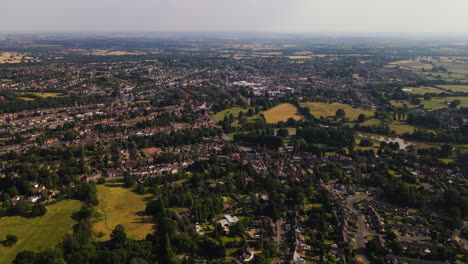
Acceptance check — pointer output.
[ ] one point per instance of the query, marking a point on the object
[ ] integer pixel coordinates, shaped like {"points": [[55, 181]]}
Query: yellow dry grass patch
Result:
{"points": [[119, 205], [103, 52], [282, 112], [39, 233], [329, 110], [15, 57]]}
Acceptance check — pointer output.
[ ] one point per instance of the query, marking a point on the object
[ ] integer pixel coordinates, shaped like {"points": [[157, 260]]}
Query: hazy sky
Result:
{"points": [[298, 16]]}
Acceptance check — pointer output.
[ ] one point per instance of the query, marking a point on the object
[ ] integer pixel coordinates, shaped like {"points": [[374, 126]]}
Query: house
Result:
{"points": [[248, 254], [227, 221]]}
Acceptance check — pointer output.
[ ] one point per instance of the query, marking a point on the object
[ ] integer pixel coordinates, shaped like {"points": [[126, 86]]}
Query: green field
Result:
{"points": [[329, 110], [234, 111], [442, 102], [457, 70], [282, 112], [38, 233], [455, 88], [119, 205], [425, 89], [401, 103], [402, 127]]}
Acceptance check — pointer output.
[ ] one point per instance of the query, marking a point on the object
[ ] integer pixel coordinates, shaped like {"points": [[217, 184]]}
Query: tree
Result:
{"points": [[11, 240], [22, 207], [340, 113], [361, 118], [129, 179], [70, 135], [282, 132], [454, 104], [118, 235], [446, 151], [25, 257], [38, 210]]}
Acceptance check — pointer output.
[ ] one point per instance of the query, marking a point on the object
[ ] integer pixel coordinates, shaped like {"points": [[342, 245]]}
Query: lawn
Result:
{"points": [[282, 112], [329, 110], [119, 205], [40, 233]]}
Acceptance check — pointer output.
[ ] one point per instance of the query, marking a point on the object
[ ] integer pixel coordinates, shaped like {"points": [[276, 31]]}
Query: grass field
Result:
{"points": [[455, 88], [282, 112], [402, 127], [102, 52], [457, 70], [329, 110], [15, 57], [234, 111], [442, 102], [43, 95], [424, 90], [401, 103], [119, 205], [37, 234]]}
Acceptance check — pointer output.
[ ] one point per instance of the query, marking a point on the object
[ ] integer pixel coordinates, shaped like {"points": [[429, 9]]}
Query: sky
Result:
{"points": [[279, 16]]}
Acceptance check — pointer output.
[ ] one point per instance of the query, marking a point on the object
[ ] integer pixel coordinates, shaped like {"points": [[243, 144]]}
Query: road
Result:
{"points": [[362, 230]]}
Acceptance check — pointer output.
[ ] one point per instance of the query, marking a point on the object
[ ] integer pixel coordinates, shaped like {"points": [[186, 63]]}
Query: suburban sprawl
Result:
{"points": [[218, 149]]}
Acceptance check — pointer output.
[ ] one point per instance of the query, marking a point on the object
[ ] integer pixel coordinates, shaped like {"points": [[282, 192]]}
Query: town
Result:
{"points": [[232, 151]]}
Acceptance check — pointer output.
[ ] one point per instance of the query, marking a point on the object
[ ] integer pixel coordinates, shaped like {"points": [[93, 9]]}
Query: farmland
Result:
{"points": [[329, 110], [456, 69], [37, 234], [118, 205], [15, 57], [282, 112]]}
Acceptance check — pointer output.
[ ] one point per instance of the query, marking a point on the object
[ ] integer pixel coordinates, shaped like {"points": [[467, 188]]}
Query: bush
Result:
{"points": [[10, 240], [365, 143]]}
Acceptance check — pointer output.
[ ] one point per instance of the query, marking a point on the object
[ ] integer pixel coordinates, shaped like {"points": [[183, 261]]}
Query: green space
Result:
{"points": [[442, 102], [233, 110], [329, 110], [119, 205], [282, 112], [455, 88], [39, 233]]}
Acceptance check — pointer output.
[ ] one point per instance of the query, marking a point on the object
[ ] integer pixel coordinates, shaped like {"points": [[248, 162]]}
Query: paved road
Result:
{"points": [[362, 230]]}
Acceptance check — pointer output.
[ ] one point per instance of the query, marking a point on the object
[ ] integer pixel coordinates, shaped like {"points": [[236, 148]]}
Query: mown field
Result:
{"points": [[37, 234], [282, 112], [119, 205], [329, 110]]}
